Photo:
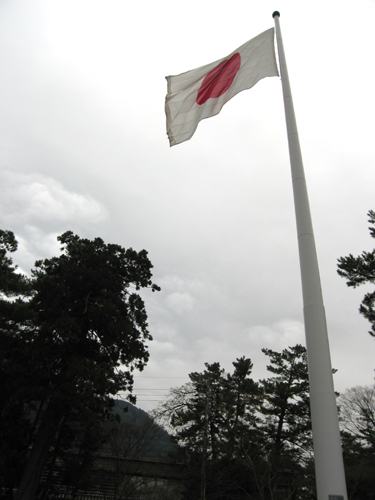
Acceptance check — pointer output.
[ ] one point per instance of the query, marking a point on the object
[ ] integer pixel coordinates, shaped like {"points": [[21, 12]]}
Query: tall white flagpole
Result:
{"points": [[329, 465]]}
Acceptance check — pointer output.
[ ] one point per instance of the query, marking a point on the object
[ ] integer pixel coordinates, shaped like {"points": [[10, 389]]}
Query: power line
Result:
{"points": [[141, 376], [146, 400]]}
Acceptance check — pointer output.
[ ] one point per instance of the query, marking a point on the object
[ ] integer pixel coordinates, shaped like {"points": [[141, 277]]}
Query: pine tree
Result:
{"points": [[15, 290], [359, 271], [211, 418], [84, 333], [286, 410]]}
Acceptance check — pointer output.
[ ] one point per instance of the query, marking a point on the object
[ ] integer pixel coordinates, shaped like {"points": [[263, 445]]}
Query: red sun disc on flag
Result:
{"points": [[218, 81]]}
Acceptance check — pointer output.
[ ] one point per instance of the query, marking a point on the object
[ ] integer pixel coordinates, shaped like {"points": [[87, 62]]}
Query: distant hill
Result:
{"points": [[136, 436]]}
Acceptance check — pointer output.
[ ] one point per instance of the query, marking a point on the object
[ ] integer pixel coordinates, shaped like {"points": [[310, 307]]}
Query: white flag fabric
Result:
{"points": [[202, 92]]}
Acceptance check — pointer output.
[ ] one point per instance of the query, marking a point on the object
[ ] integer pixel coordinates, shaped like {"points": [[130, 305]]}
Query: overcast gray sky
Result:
{"points": [[83, 147]]}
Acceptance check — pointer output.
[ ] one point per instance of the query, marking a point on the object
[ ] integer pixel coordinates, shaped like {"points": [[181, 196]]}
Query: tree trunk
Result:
{"points": [[37, 458]]}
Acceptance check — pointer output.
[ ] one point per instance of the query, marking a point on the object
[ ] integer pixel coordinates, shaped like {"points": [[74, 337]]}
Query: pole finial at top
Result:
{"points": [[276, 13]]}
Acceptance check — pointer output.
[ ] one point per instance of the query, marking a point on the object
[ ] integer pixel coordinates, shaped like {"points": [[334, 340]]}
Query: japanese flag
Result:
{"points": [[202, 92]]}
